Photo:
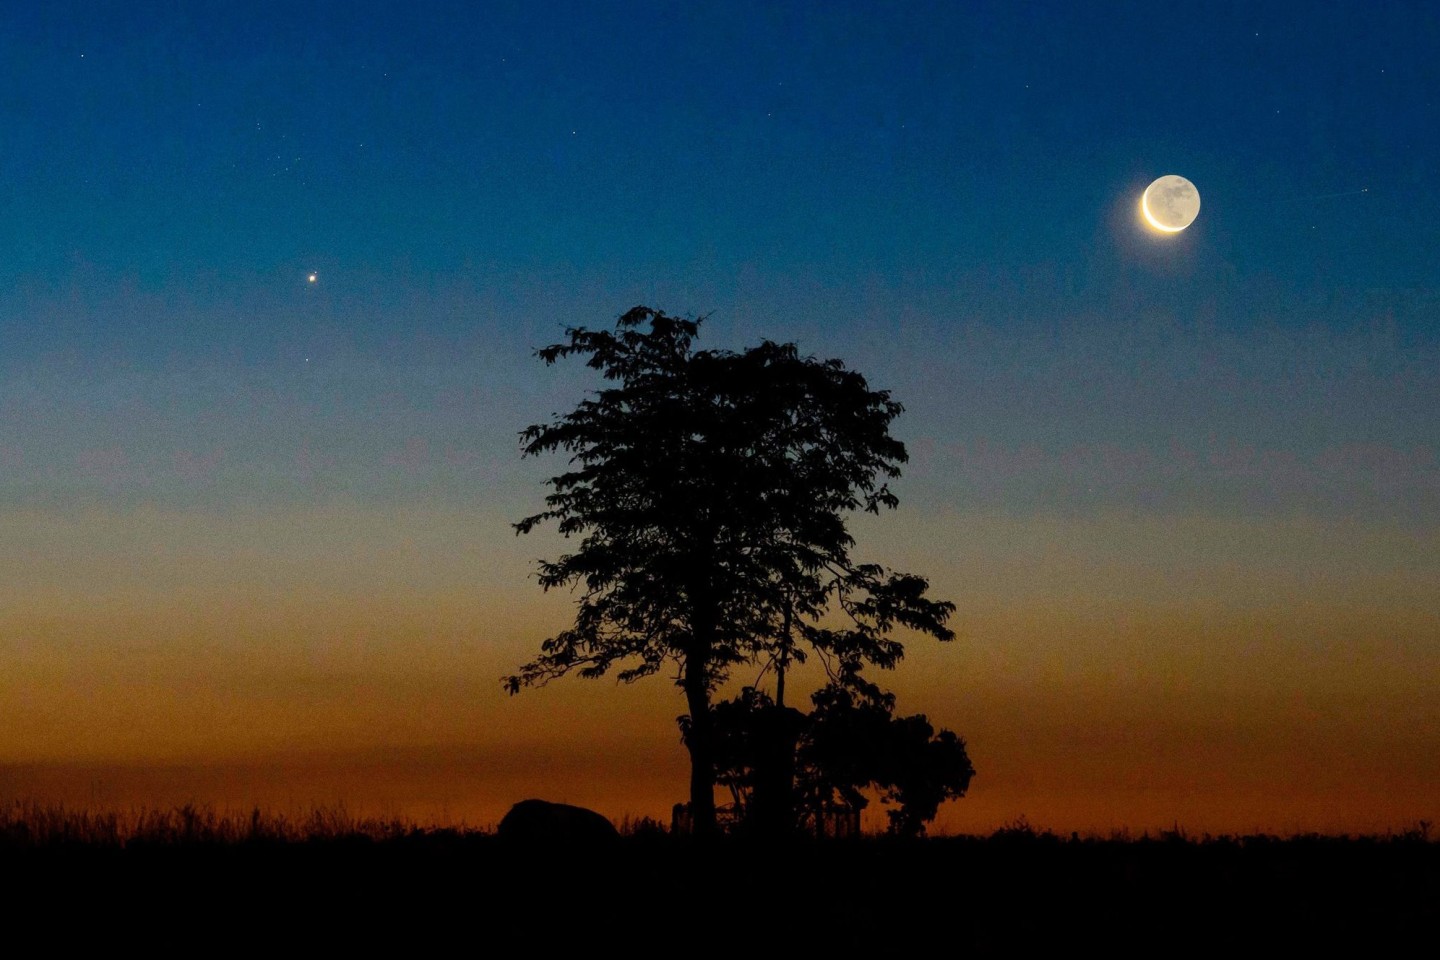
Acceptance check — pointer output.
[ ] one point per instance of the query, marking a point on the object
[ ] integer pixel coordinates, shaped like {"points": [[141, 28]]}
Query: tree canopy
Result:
{"points": [[851, 741], [710, 490]]}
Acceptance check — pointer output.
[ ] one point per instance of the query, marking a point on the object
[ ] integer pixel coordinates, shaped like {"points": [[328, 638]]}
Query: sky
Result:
{"points": [[255, 541]]}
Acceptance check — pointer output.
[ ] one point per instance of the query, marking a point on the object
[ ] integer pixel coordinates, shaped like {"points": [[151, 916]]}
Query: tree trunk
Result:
{"points": [[701, 742], [784, 661], [704, 623], [774, 814]]}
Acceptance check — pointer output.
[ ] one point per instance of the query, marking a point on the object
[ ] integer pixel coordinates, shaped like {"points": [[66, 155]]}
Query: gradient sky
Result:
{"points": [[254, 530]]}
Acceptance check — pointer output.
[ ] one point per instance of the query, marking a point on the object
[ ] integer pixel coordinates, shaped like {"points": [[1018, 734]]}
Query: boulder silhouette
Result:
{"points": [[540, 821]]}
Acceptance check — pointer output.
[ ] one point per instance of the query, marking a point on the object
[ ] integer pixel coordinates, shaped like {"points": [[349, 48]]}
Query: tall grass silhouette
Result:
{"points": [[1014, 890], [27, 823]]}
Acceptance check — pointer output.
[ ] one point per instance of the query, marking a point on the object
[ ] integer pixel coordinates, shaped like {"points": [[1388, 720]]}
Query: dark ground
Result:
{"points": [[448, 893]]}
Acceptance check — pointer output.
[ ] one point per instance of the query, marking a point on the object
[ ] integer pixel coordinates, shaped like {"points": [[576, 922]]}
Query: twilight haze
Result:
{"points": [[272, 282]]}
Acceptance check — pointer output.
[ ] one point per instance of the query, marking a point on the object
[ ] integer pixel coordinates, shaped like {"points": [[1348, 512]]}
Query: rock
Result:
{"points": [[540, 821]]}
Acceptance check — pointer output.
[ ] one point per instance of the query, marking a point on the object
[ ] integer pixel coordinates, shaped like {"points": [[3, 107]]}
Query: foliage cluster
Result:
{"points": [[849, 743]]}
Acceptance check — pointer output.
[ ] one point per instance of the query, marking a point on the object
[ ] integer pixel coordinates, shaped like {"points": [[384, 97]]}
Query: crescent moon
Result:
{"points": [[1179, 204], [1150, 217]]}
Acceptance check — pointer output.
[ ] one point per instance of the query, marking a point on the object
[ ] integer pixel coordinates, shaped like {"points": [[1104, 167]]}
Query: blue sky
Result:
{"points": [[464, 179]]}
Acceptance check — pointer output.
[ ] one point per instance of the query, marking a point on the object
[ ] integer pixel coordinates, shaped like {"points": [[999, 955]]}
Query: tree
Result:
{"points": [[710, 490], [853, 740], [849, 742]]}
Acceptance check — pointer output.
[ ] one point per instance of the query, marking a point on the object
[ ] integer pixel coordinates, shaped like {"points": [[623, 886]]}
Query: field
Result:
{"points": [[194, 879]]}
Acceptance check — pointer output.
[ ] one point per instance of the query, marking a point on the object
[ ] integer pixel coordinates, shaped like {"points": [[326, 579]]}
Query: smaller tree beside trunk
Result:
{"points": [[788, 771]]}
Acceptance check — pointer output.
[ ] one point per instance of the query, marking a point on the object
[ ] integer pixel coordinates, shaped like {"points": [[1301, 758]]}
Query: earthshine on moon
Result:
{"points": [[1170, 204]]}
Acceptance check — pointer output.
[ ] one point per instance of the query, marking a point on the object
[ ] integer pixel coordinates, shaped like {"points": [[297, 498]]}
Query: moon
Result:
{"points": [[1170, 204]]}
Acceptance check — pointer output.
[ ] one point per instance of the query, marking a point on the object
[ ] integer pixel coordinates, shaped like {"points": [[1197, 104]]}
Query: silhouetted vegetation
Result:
{"points": [[196, 877], [710, 489], [813, 769], [39, 825]]}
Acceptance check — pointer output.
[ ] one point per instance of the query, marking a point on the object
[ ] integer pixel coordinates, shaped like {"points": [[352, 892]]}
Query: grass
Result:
{"points": [[28, 824], [33, 824], [323, 874]]}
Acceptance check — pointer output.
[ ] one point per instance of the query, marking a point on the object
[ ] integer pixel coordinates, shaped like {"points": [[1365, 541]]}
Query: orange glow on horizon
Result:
{"points": [[1221, 675]]}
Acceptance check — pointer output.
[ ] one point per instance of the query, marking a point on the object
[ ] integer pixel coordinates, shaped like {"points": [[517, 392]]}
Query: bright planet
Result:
{"points": [[1170, 204]]}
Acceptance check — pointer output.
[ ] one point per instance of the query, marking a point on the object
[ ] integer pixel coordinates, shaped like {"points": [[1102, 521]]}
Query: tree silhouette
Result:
{"points": [[849, 742], [710, 490], [853, 740]]}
